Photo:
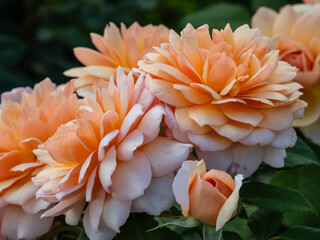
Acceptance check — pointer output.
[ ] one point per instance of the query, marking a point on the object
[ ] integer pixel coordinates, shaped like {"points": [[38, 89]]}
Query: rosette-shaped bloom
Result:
{"points": [[227, 94], [115, 49], [296, 35], [212, 197], [112, 158], [27, 118]]}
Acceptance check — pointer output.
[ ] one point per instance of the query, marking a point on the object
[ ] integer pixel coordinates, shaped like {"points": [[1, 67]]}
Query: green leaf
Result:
{"points": [[62, 231], [300, 233], [218, 15], [83, 236], [137, 227], [275, 198], [186, 222], [185, 233], [300, 155], [209, 232], [264, 223], [226, 235], [238, 226], [305, 180]]}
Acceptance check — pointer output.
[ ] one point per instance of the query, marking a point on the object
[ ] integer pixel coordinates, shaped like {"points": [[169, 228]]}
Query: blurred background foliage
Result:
{"points": [[37, 36]]}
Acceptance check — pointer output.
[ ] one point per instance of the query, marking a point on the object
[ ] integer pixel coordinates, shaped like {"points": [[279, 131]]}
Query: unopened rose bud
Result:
{"points": [[211, 197]]}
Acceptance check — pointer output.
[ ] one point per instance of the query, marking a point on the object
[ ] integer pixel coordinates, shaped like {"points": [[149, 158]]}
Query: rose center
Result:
{"points": [[212, 182]]}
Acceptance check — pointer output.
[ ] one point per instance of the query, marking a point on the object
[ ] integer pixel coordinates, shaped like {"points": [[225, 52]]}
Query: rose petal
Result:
{"points": [[166, 155], [157, 198], [131, 178]]}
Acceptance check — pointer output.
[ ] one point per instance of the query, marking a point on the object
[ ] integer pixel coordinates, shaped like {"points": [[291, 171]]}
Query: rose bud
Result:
{"points": [[211, 197]]}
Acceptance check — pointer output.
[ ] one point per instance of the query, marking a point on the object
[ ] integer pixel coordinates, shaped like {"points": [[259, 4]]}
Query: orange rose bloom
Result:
{"points": [[296, 35], [212, 197], [116, 48], [28, 118], [112, 158], [227, 94]]}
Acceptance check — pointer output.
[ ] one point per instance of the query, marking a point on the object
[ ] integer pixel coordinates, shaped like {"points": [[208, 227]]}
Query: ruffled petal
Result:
{"points": [[131, 178], [166, 155], [157, 198]]}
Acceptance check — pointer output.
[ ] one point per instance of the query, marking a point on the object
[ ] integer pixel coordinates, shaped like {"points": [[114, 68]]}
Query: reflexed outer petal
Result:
{"points": [[131, 178], [107, 168], [95, 209], [274, 156], [277, 119], [229, 208], [234, 131], [184, 179], [259, 136], [16, 224], [20, 195], [34, 205], [166, 155], [210, 141], [31, 226], [157, 198], [115, 213], [236, 159], [73, 215], [285, 139], [103, 233]]}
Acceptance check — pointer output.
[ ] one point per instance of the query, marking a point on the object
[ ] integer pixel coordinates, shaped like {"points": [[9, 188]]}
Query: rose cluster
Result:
{"points": [[116, 139]]}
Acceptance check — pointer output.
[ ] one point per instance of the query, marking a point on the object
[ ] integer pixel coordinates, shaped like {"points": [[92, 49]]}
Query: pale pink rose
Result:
{"points": [[28, 118], [296, 35], [211, 197], [228, 94], [124, 48], [112, 158]]}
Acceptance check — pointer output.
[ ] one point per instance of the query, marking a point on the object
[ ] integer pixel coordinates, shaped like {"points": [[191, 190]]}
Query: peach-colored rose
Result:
{"points": [[228, 94], [27, 118], [212, 197], [112, 158], [122, 48], [296, 35]]}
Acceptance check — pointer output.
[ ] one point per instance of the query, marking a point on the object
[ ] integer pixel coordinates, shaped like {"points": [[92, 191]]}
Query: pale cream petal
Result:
{"points": [[237, 158], [264, 19], [165, 155], [229, 208], [103, 232], [285, 139], [131, 178], [284, 21], [209, 142], [184, 179], [115, 213], [157, 198], [274, 156]]}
